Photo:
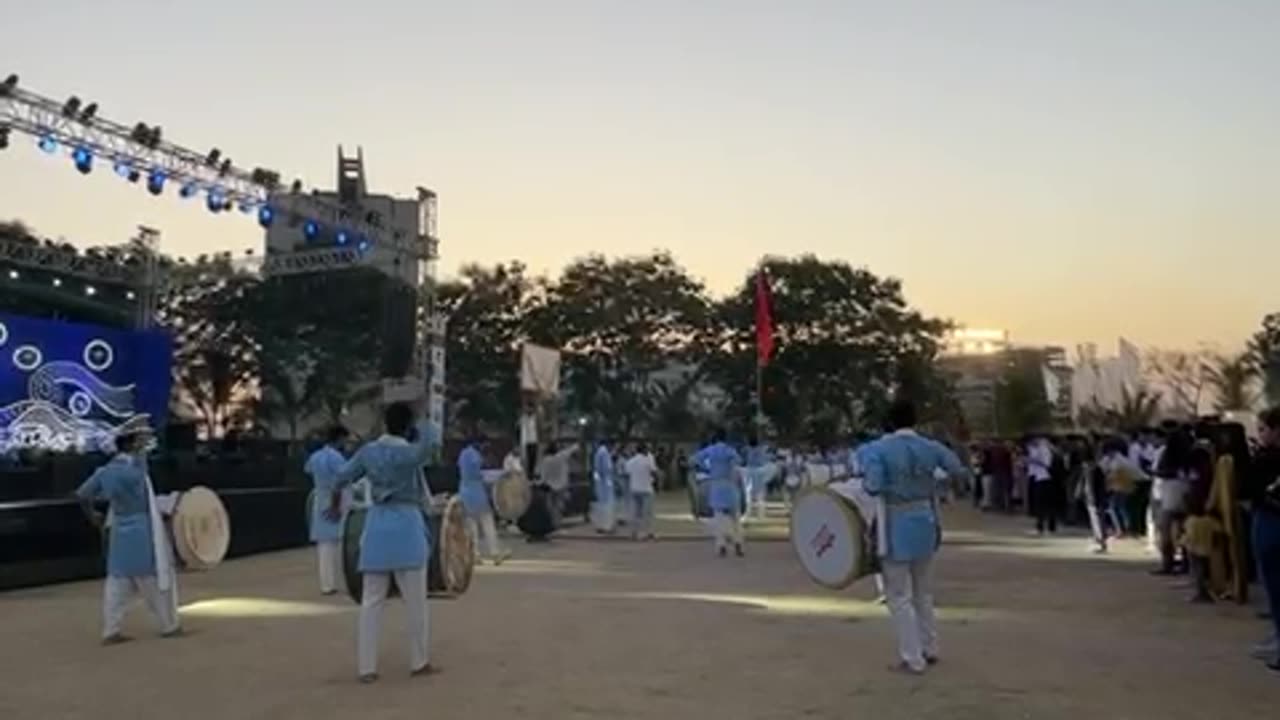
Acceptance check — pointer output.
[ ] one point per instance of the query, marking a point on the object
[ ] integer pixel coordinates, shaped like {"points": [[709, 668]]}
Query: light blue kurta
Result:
{"points": [[757, 459], [323, 467], [900, 469], [721, 463], [602, 475], [471, 487], [123, 483], [395, 532]]}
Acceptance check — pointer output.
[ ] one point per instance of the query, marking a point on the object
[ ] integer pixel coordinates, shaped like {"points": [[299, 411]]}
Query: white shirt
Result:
{"points": [[1039, 460], [640, 469]]}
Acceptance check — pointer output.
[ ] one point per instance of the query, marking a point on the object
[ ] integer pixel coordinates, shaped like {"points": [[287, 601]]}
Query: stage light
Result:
{"points": [[266, 216], [342, 237], [128, 295], [90, 290], [48, 144], [89, 111], [155, 182], [310, 230], [122, 169], [189, 189], [134, 175], [71, 107], [13, 274], [57, 282], [7, 87], [211, 159], [296, 187], [225, 169], [83, 158], [4, 138], [363, 246], [216, 201]]}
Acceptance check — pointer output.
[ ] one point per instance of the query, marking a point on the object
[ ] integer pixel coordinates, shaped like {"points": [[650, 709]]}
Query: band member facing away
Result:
{"points": [[475, 500], [323, 466], [641, 468], [899, 469], [757, 477], [602, 508], [395, 541], [723, 465], [138, 556]]}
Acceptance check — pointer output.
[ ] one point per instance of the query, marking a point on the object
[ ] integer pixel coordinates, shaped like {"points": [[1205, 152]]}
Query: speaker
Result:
{"points": [[399, 329]]}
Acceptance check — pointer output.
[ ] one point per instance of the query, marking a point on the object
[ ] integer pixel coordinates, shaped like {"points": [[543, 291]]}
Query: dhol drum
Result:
{"points": [[452, 559], [543, 516], [201, 529], [833, 541], [511, 495]]}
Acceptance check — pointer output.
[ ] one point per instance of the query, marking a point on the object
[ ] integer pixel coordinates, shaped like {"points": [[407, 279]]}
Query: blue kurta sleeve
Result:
{"points": [[427, 441], [949, 461], [91, 489], [874, 472], [351, 471]]}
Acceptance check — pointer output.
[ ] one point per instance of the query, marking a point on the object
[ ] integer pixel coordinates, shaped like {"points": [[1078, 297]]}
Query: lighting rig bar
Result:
{"points": [[141, 153], [55, 259]]}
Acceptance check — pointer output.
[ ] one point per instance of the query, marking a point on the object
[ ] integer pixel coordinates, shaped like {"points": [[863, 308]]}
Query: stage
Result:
{"points": [[588, 629]]}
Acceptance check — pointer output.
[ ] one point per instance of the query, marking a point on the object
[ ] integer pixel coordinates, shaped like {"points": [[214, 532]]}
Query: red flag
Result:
{"points": [[764, 320]]}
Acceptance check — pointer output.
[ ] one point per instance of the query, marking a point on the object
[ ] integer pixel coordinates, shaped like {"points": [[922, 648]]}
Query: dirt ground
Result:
{"points": [[586, 628]]}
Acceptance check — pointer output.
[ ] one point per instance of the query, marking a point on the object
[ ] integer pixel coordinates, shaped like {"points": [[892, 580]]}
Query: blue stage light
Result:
{"points": [[342, 237], [83, 158], [266, 216], [123, 169], [363, 246], [48, 144], [310, 230], [247, 206], [216, 201], [155, 181], [189, 189]]}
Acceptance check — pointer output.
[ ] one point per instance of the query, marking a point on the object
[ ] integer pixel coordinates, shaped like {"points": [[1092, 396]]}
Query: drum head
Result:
{"points": [[201, 529], [352, 530], [454, 548], [827, 535], [511, 495]]}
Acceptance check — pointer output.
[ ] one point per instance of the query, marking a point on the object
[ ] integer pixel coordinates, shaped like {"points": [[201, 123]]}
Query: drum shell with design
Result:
{"points": [[833, 542], [512, 494], [450, 545], [198, 530]]}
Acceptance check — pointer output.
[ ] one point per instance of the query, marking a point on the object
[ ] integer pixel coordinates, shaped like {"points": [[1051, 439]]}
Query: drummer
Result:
{"points": [[323, 466], [475, 500], [899, 469], [395, 540], [138, 554], [725, 493]]}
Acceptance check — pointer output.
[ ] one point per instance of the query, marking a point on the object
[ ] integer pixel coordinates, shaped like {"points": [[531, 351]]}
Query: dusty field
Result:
{"points": [[594, 629]]}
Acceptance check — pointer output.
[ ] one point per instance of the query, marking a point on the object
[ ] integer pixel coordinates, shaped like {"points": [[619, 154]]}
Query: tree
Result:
{"points": [[1183, 377], [1137, 409], [487, 310], [1264, 349], [1232, 378], [214, 359], [1021, 400], [619, 322], [846, 340]]}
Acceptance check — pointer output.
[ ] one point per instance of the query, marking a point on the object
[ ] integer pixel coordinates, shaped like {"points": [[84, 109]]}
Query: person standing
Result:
{"points": [[602, 486], [396, 542], [899, 470], [757, 477], [1043, 490], [1263, 494], [323, 466], [641, 468], [475, 500], [138, 554], [723, 465], [553, 470]]}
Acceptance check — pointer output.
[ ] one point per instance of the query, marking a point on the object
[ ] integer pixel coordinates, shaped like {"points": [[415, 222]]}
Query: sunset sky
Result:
{"points": [[1071, 170]]}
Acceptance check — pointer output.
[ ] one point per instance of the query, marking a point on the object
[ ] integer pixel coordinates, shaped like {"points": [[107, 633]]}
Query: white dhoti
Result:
{"points": [[727, 530], [483, 529], [118, 591], [909, 594], [413, 588], [602, 515], [329, 560]]}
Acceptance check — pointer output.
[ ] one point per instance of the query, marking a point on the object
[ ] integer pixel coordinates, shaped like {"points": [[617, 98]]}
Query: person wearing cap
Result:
{"points": [[323, 466], [138, 555], [396, 542]]}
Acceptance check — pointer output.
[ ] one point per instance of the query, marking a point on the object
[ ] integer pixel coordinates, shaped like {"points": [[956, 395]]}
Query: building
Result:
{"points": [[978, 361], [972, 341]]}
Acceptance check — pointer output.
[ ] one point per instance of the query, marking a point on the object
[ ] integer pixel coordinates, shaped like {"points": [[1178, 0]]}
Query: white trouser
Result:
{"points": [[728, 529], [413, 588], [329, 559], [602, 515], [909, 594], [988, 491], [118, 591], [484, 528], [641, 514]]}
